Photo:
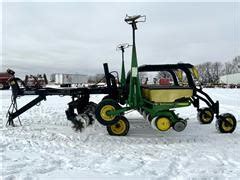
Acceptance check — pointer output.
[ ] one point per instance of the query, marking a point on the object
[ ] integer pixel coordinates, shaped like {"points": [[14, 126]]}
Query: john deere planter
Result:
{"points": [[157, 101], [155, 97]]}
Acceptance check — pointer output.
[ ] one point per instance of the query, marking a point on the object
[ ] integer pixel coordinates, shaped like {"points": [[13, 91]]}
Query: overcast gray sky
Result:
{"points": [[79, 37]]}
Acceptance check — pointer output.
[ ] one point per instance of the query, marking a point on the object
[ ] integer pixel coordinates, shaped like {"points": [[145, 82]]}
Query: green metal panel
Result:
{"points": [[135, 96]]}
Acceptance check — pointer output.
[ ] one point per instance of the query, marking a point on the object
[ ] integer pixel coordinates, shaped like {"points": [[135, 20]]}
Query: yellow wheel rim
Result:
{"points": [[119, 127], [207, 116], [104, 115], [163, 124], [229, 125]]}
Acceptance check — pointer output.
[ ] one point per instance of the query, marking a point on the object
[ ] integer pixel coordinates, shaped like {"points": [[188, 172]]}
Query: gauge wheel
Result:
{"points": [[120, 128], [205, 115], [163, 123], [226, 123], [102, 110]]}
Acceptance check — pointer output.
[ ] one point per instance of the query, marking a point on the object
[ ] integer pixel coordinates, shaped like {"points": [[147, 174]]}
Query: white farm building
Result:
{"points": [[230, 79]]}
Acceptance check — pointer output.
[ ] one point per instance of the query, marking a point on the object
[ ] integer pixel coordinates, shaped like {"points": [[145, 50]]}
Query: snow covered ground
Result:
{"points": [[46, 147]]}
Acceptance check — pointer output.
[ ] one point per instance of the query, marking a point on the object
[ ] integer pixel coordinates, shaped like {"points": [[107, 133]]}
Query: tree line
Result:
{"points": [[210, 72]]}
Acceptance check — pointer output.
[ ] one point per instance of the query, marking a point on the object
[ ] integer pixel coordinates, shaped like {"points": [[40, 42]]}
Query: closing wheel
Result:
{"points": [[102, 110], [226, 123], [163, 123], [180, 125], [205, 115], [120, 128]]}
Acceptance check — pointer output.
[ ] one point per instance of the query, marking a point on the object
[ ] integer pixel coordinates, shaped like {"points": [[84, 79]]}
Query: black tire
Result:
{"points": [[120, 128], [226, 123], [205, 115], [101, 110]]}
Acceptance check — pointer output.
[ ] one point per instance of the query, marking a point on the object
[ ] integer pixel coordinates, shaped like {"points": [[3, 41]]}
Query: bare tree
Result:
{"points": [[228, 68], [211, 72], [216, 70], [236, 64]]}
